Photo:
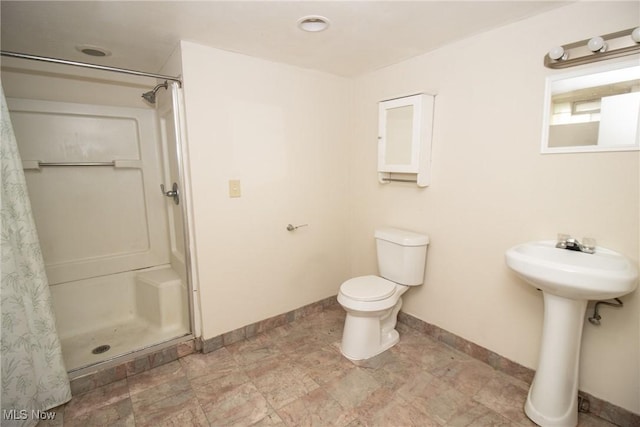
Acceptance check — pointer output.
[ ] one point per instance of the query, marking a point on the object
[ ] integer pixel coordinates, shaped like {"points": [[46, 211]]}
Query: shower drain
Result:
{"points": [[101, 349]]}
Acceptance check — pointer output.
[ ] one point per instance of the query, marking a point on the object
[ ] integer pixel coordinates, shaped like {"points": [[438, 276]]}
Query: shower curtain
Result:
{"points": [[33, 374]]}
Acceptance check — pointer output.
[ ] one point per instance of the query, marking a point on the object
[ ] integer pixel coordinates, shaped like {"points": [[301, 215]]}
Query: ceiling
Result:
{"points": [[363, 35]]}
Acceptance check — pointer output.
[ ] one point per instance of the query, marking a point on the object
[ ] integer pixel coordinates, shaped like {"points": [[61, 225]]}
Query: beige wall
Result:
{"points": [[283, 132], [492, 189]]}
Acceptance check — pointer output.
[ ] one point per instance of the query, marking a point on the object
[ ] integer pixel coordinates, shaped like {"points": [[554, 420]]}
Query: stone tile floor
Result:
{"points": [[294, 375]]}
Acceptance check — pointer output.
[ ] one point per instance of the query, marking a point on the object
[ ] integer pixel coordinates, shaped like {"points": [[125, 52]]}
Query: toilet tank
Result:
{"points": [[401, 255]]}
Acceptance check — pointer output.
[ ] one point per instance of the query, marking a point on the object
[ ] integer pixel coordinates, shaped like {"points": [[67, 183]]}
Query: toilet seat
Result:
{"points": [[368, 288]]}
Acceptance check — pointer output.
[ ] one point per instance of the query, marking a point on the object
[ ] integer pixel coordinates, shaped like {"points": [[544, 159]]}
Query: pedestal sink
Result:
{"points": [[567, 279]]}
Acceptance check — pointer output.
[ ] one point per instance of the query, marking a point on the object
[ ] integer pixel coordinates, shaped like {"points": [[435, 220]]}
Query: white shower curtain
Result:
{"points": [[33, 374]]}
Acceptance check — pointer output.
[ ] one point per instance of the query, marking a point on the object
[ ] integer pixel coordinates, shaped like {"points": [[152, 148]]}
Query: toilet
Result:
{"points": [[372, 302]]}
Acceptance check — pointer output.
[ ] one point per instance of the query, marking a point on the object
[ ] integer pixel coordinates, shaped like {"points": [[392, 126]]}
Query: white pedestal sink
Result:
{"points": [[568, 280]]}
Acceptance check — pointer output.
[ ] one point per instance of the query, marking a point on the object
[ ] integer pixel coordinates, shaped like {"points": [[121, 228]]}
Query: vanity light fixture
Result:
{"points": [[313, 23], [599, 48]]}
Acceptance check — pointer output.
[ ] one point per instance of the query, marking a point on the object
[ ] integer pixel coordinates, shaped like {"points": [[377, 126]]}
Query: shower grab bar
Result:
{"points": [[76, 163], [36, 164]]}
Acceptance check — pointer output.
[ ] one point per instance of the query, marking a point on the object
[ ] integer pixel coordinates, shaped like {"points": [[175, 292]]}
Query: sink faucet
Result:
{"points": [[565, 241]]}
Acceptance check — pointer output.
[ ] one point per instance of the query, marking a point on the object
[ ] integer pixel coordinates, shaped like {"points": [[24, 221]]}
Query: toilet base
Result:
{"points": [[366, 335], [358, 345]]}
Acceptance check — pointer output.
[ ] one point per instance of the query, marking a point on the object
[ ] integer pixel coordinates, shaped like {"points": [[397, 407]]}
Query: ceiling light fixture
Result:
{"points": [[313, 23], [93, 50]]}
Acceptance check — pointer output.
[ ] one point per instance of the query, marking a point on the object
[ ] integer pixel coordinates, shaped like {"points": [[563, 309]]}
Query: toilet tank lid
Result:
{"points": [[402, 237]]}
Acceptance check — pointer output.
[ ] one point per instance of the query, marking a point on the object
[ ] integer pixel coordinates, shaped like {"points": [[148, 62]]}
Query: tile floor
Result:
{"points": [[294, 375]]}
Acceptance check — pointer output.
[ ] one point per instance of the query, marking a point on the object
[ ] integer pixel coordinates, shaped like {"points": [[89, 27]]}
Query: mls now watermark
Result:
{"points": [[25, 414]]}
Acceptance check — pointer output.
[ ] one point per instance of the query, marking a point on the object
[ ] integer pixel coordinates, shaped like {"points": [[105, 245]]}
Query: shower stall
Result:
{"points": [[105, 183]]}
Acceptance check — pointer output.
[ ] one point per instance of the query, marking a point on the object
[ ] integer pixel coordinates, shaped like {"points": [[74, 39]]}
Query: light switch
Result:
{"points": [[234, 188]]}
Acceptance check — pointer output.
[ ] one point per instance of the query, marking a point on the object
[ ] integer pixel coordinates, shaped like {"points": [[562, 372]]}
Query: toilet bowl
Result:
{"points": [[372, 302], [372, 305]]}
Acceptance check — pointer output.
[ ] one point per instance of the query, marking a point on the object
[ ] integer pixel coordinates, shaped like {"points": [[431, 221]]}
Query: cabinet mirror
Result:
{"points": [[399, 134]]}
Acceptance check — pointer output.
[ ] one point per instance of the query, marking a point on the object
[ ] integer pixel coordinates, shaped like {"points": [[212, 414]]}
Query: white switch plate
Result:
{"points": [[234, 188]]}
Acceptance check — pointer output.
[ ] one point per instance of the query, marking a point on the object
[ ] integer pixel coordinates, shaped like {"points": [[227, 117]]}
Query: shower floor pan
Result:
{"points": [[113, 315], [122, 338]]}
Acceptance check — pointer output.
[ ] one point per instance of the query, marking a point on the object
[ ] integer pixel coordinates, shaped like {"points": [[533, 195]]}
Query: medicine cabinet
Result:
{"points": [[404, 139]]}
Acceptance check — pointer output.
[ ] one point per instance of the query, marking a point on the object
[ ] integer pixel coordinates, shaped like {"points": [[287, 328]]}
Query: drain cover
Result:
{"points": [[101, 349]]}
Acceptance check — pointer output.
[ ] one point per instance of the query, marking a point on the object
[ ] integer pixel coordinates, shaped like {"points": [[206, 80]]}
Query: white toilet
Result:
{"points": [[372, 303]]}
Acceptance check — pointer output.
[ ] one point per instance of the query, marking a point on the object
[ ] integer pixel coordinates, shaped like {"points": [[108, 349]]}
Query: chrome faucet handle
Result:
{"points": [[562, 240], [173, 193], [589, 244]]}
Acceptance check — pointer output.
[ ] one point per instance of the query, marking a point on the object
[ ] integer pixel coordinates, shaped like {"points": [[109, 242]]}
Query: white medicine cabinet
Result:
{"points": [[404, 139]]}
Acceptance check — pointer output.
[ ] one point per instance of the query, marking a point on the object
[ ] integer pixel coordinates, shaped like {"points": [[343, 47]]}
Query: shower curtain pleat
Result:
{"points": [[34, 377]]}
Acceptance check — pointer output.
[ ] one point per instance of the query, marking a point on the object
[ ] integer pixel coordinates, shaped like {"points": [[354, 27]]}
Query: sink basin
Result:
{"points": [[567, 279], [603, 275]]}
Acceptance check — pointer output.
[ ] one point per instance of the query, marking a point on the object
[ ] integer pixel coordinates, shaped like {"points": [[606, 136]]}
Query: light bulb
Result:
{"points": [[635, 35], [597, 44], [557, 53]]}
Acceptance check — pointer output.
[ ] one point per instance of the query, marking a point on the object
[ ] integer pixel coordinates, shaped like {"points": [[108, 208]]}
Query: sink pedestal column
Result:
{"points": [[553, 396]]}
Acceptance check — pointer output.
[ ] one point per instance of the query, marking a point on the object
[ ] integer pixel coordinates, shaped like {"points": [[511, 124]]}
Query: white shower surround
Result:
{"points": [[104, 229]]}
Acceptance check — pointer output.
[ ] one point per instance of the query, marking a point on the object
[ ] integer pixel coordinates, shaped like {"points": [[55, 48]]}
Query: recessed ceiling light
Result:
{"points": [[313, 23], [93, 50]]}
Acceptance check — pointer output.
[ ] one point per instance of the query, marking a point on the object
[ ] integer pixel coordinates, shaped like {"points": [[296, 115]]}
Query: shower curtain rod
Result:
{"points": [[87, 65]]}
